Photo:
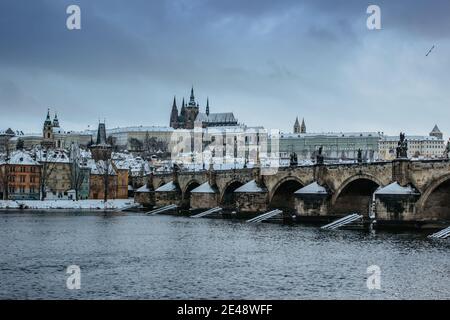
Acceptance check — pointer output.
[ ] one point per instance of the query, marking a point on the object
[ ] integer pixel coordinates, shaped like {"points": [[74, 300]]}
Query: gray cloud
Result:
{"points": [[268, 61]]}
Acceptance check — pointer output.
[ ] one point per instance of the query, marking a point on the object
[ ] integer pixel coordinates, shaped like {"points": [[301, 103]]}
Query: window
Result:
{"points": [[22, 179]]}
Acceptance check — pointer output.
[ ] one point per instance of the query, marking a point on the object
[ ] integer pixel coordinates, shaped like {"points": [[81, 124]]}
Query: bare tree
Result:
{"points": [[47, 169], [77, 175], [4, 172]]}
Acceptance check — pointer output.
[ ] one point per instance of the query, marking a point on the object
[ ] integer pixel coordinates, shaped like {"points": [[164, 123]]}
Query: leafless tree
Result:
{"points": [[47, 168], [4, 170], [77, 175]]}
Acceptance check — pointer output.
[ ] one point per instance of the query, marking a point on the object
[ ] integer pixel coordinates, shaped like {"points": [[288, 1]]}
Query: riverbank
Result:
{"points": [[116, 204]]}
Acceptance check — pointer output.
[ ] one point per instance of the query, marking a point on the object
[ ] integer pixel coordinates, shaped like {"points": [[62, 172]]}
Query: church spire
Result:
{"points": [[174, 114], [303, 126], [56, 121], [296, 126], [48, 121], [207, 106], [192, 98]]}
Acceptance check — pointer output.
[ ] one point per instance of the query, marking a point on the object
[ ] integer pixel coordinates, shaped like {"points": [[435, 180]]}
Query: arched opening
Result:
{"points": [[356, 197], [186, 203], [228, 198], [437, 205], [283, 198]]}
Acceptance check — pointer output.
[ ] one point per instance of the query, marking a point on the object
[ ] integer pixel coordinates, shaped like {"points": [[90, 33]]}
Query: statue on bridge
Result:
{"points": [[402, 148], [294, 161], [319, 156], [360, 159]]}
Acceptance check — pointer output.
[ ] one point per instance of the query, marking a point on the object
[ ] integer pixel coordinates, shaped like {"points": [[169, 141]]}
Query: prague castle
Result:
{"points": [[190, 115]]}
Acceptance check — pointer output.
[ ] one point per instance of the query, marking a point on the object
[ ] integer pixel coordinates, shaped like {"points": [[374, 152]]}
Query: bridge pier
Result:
{"points": [[252, 197], [312, 200], [396, 203], [168, 194], [204, 197]]}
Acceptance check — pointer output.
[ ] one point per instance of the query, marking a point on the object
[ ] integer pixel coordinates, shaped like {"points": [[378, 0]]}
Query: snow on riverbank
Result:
{"points": [[66, 204]]}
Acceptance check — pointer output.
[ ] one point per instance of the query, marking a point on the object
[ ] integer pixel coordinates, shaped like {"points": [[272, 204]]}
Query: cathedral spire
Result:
{"points": [[56, 121], [297, 128], [207, 106], [48, 121], [303, 126], [174, 114], [192, 98]]}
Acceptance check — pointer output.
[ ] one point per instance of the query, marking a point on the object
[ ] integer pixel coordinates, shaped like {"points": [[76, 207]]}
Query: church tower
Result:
{"points": [[56, 121], [207, 106], [101, 150], [303, 126], [174, 115], [192, 110], [48, 140], [296, 126]]}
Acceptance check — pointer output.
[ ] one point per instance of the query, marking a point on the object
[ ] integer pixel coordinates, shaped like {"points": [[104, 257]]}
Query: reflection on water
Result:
{"points": [[143, 257]]}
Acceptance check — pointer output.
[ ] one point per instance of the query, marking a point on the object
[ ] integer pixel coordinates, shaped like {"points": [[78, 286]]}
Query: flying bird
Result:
{"points": [[429, 51]]}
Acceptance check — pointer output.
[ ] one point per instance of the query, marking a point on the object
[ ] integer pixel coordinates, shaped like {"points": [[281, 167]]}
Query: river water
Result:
{"points": [[134, 256]]}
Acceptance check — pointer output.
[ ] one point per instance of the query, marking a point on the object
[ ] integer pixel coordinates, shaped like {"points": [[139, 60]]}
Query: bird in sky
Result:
{"points": [[429, 51]]}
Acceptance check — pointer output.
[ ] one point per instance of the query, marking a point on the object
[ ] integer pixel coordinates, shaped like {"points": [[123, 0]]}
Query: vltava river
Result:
{"points": [[134, 256]]}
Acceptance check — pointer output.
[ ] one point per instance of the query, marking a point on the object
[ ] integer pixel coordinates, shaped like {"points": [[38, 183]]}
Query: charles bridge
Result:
{"points": [[401, 190]]}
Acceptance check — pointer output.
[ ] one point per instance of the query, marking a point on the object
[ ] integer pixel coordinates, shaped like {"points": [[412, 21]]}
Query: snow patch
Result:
{"points": [[313, 188], [250, 187], [204, 188]]}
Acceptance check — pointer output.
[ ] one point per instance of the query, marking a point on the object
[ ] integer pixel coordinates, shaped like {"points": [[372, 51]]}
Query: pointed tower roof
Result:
{"points": [[174, 113], [56, 121], [192, 98], [101, 134], [436, 129], [48, 121], [207, 106], [303, 126], [296, 126]]}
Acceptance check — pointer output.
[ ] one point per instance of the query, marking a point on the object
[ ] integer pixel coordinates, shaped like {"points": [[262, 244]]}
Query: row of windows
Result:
{"points": [[22, 179], [22, 169], [22, 190]]}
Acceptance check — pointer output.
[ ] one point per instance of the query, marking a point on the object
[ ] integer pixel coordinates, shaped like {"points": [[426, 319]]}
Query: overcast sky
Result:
{"points": [[267, 61]]}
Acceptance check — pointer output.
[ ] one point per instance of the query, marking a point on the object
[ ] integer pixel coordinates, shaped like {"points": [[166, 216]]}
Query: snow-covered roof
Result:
{"points": [[20, 157], [139, 129], [250, 187], [99, 167], [204, 188], [329, 134], [227, 117], [312, 188], [144, 188], [410, 138], [58, 130], [168, 187], [395, 188], [52, 156]]}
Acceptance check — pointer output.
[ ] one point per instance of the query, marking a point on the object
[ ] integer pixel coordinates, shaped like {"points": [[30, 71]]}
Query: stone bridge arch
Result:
{"points": [[435, 200], [186, 191], [354, 195], [227, 197], [281, 195]]}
